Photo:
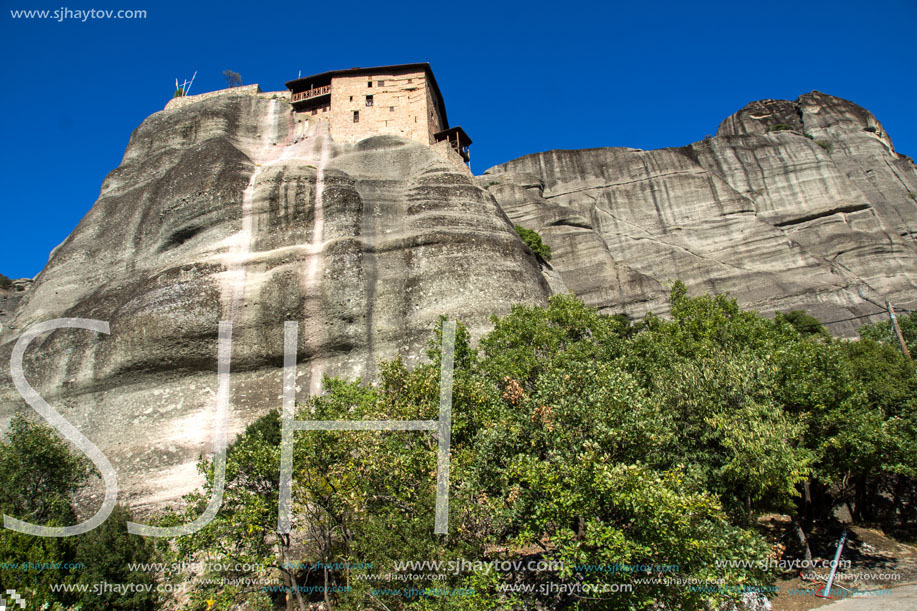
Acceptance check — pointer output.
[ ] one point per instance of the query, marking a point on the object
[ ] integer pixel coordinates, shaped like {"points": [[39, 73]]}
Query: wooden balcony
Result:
{"points": [[308, 94], [459, 140]]}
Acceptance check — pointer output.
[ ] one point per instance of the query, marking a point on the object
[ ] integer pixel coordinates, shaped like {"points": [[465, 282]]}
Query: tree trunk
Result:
{"points": [[808, 508], [873, 501], [859, 499], [299, 600], [290, 577], [822, 502], [803, 541], [289, 586]]}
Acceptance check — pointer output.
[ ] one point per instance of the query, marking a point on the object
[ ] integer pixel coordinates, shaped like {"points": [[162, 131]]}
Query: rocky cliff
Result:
{"points": [[792, 205], [223, 209], [11, 293]]}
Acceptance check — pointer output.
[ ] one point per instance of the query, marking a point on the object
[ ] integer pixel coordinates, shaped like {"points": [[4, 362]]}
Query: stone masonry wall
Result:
{"points": [[434, 113], [400, 107]]}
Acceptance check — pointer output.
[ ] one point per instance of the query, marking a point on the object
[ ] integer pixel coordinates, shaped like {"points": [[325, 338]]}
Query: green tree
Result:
{"points": [[106, 554], [533, 240], [710, 376], [39, 472], [40, 475], [868, 436], [242, 535], [233, 79]]}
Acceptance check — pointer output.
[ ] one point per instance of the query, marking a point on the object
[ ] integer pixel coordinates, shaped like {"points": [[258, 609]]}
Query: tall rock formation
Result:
{"points": [[223, 210], [793, 205]]}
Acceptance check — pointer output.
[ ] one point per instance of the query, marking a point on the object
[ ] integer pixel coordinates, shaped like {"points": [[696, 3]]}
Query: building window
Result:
{"points": [[410, 80], [391, 109], [380, 84], [356, 116], [369, 100], [351, 98], [369, 84]]}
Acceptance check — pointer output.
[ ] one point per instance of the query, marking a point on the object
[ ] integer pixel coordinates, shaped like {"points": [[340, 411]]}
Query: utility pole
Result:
{"points": [[896, 329], [837, 556]]}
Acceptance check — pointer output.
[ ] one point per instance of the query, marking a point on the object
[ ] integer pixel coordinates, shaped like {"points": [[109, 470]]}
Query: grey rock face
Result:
{"points": [[221, 211], [11, 293], [793, 205]]}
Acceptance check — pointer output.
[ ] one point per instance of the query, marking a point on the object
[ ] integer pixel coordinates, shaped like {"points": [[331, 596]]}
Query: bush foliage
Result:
{"points": [[40, 475], [533, 240], [584, 440], [578, 439]]}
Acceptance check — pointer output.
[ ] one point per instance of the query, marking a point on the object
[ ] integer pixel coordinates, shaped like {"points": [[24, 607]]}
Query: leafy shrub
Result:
{"points": [[5, 282], [533, 240], [779, 127], [828, 146]]}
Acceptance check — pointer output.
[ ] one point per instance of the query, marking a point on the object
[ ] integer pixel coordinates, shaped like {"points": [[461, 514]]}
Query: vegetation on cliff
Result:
{"points": [[532, 239]]}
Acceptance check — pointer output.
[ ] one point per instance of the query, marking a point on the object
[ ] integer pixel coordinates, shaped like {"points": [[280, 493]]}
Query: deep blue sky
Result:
{"points": [[520, 77]]}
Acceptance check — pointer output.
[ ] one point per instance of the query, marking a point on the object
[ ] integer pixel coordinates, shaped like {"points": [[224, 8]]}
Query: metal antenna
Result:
{"points": [[189, 84]]}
